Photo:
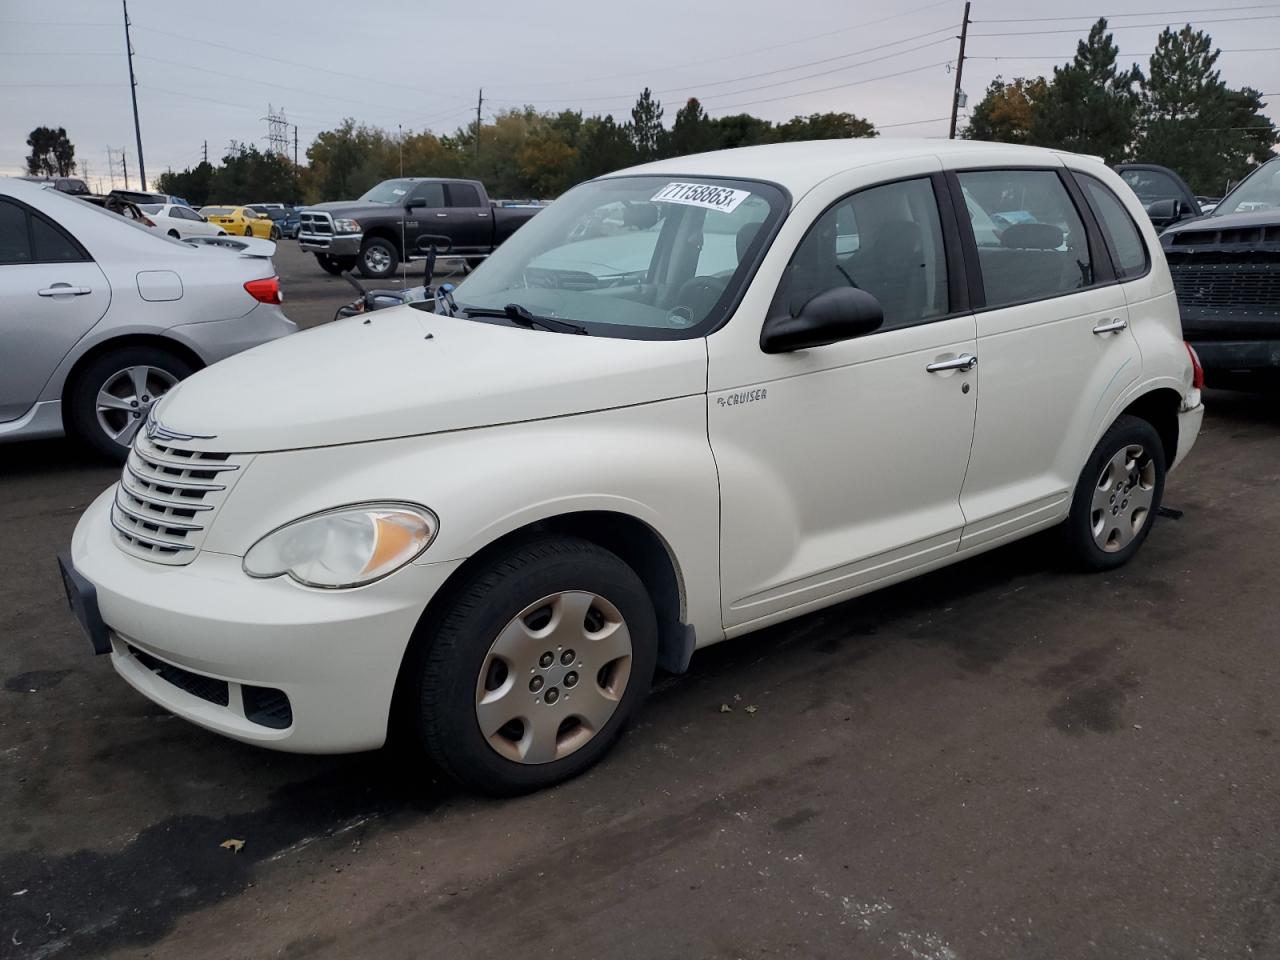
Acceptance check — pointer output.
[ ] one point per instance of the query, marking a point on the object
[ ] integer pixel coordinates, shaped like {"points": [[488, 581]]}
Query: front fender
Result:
{"points": [[650, 461]]}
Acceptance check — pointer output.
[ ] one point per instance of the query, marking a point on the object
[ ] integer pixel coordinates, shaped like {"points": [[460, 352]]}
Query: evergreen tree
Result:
{"points": [[1091, 106], [693, 131], [824, 126], [646, 130]]}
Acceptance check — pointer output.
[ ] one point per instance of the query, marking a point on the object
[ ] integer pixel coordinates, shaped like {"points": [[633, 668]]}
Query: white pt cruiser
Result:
{"points": [[685, 402]]}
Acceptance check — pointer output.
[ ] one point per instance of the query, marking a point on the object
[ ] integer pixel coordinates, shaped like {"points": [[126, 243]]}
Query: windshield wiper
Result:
{"points": [[522, 317]]}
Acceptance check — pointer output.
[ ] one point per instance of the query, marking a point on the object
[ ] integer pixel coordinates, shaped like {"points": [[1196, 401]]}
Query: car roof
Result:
{"points": [[801, 165]]}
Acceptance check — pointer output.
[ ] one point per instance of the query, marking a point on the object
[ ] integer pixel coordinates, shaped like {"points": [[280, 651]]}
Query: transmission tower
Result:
{"points": [[114, 164], [277, 132]]}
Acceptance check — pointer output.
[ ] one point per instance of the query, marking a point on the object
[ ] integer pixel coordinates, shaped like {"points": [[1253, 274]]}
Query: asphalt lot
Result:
{"points": [[998, 760]]}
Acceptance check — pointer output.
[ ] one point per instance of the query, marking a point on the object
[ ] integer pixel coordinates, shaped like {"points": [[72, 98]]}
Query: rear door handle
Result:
{"points": [[482, 216], [442, 215], [1111, 326], [966, 361], [64, 290]]}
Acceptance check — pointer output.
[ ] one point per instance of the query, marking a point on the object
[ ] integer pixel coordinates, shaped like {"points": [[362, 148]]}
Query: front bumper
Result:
{"points": [[336, 245], [335, 654]]}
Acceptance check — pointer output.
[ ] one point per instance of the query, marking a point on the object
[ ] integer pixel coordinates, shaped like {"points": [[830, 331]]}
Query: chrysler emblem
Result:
{"points": [[157, 431]]}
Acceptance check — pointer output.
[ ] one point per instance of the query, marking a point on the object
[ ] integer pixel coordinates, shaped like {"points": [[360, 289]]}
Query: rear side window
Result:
{"points": [[463, 195], [28, 237], [15, 241], [886, 240], [1031, 241], [1130, 253]]}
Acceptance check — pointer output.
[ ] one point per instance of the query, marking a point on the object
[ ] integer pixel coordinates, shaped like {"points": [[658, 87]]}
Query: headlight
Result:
{"points": [[346, 226], [345, 547]]}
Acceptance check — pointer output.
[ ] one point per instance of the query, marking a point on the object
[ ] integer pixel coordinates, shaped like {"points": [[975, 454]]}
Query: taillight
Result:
{"points": [[266, 290], [1197, 371]]}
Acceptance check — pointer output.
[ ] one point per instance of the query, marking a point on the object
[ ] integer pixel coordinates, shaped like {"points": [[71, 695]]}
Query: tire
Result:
{"points": [[248, 231], [111, 433], [1117, 496], [175, 234], [378, 259], [454, 673], [329, 264], [221, 233], [275, 233]]}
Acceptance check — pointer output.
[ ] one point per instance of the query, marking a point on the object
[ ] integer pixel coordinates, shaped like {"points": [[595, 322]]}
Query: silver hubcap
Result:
{"points": [[1122, 498], [377, 259], [127, 397], [554, 677]]}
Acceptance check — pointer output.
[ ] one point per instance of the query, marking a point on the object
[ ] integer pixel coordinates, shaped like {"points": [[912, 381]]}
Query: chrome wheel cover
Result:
{"points": [[126, 398], [377, 259], [1122, 498], [554, 677]]}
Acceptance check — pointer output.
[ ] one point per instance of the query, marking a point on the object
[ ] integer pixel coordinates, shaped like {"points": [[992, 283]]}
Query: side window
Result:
{"points": [[886, 240], [1121, 232], [432, 193], [1031, 241], [50, 244], [1152, 185], [15, 241], [463, 195]]}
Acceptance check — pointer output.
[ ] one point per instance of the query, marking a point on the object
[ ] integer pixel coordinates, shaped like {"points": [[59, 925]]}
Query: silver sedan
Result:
{"points": [[100, 317]]}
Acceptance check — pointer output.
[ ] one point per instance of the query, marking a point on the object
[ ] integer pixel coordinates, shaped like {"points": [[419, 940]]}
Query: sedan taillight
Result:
{"points": [[266, 290]]}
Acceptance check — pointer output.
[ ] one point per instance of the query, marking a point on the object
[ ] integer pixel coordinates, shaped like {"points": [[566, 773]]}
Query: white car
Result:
{"points": [[490, 521], [180, 222], [100, 316]]}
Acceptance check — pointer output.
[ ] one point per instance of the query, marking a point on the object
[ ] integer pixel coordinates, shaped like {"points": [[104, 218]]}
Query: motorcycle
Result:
{"points": [[369, 300]]}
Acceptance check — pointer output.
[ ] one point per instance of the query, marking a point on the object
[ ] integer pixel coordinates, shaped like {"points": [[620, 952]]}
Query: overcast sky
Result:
{"points": [[208, 71]]}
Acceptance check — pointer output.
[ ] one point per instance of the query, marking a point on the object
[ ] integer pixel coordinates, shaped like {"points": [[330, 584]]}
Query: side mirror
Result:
{"points": [[840, 313], [415, 203], [1165, 212]]}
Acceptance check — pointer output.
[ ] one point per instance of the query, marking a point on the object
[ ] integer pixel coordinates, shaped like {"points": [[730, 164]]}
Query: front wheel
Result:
{"points": [[1117, 495], [331, 265], [248, 231], [275, 233], [110, 399], [534, 668], [378, 258]]}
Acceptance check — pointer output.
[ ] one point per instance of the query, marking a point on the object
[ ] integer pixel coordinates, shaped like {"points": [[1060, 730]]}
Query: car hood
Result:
{"points": [[404, 372], [1227, 221], [353, 208]]}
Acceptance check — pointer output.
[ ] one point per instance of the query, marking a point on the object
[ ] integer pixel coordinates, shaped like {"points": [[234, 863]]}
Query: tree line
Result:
{"points": [[520, 153], [1179, 113]]}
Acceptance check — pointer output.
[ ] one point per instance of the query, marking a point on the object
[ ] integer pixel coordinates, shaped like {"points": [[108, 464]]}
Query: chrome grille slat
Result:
{"points": [[165, 501]]}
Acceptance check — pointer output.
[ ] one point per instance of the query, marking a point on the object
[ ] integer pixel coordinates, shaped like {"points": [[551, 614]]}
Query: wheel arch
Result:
{"points": [[633, 540], [1159, 407], [176, 347]]}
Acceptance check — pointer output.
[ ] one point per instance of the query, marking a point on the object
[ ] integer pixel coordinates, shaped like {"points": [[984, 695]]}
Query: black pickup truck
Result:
{"points": [[374, 232]]}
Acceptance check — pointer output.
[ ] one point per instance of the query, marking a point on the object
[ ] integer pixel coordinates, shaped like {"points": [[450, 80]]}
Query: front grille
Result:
{"points": [[167, 497], [315, 223], [1228, 286], [206, 688]]}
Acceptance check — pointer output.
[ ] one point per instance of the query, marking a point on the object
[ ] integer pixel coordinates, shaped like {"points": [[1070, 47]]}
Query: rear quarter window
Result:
{"points": [[1123, 236]]}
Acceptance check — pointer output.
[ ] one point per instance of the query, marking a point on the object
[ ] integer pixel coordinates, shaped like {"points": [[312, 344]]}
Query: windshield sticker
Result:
{"points": [[723, 199], [398, 192]]}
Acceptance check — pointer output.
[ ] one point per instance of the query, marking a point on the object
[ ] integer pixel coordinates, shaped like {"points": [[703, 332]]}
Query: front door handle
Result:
{"points": [[442, 215], [483, 216], [1111, 326], [64, 290], [966, 361]]}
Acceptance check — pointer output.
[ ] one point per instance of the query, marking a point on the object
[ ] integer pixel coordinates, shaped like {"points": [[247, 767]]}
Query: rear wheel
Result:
{"points": [[535, 667], [333, 265], [110, 399], [175, 234], [275, 233], [378, 258], [1117, 495]]}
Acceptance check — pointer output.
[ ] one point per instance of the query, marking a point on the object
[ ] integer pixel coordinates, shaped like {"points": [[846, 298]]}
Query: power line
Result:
{"points": [[838, 86], [1144, 13], [1125, 26], [626, 97], [862, 25], [910, 123], [1068, 56]]}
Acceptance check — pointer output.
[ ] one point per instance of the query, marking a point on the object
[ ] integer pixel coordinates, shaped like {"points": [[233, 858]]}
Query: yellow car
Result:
{"points": [[241, 222]]}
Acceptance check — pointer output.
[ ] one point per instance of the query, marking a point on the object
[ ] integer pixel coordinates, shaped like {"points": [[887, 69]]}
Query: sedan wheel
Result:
{"points": [[554, 677], [127, 397]]}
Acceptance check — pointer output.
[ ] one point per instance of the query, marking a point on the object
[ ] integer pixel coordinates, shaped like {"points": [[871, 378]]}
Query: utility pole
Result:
{"points": [[124, 163], [206, 152], [479, 104], [295, 144], [400, 140], [133, 92], [955, 97]]}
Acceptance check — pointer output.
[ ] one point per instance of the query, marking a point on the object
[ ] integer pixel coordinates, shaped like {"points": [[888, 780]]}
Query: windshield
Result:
{"points": [[150, 207], [392, 191], [1258, 191], [634, 257]]}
